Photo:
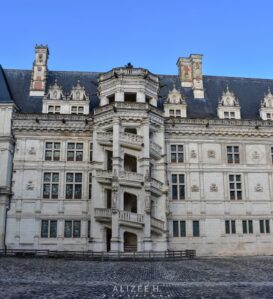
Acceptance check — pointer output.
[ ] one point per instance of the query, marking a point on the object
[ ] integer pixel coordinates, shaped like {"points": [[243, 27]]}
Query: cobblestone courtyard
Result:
{"points": [[250, 277]]}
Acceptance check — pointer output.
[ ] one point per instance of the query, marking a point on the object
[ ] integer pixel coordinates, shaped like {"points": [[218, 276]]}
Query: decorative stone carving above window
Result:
{"points": [[78, 93], [213, 188], [55, 92], [193, 154], [175, 104], [32, 151], [266, 110], [259, 188], [194, 188], [228, 106], [255, 155], [211, 154]]}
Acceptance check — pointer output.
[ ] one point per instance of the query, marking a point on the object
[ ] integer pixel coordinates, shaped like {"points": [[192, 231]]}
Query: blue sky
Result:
{"points": [[235, 36]]}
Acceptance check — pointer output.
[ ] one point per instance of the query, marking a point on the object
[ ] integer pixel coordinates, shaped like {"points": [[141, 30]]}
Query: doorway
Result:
{"points": [[130, 242]]}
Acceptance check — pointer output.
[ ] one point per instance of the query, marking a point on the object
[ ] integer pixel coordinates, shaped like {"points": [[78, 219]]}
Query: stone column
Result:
{"points": [[4, 198]]}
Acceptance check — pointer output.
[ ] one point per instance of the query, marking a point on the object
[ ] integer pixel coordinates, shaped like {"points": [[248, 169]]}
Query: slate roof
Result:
{"points": [[14, 85]]}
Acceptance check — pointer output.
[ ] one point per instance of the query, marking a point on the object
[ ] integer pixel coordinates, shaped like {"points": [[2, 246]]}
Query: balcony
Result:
{"points": [[131, 219], [130, 140], [156, 187], [102, 214], [104, 176], [157, 225], [156, 150], [105, 138], [128, 178]]}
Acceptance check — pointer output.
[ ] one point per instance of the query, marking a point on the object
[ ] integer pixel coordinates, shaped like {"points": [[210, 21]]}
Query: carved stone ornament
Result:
{"points": [[175, 97], [211, 154], [213, 188], [194, 188], [30, 185], [228, 99], [32, 151], [55, 92], [259, 188], [193, 154], [255, 155], [268, 100]]}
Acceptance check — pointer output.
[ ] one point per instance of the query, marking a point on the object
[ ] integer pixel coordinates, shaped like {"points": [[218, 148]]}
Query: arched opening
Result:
{"points": [[130, 163], [108, 232], [130, 242], [130, 202]]}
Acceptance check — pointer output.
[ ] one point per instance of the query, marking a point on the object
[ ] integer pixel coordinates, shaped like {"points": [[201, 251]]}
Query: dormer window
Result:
{"points": [[266, 110], [54, 109], [228, 106], [77, 110], [175, 105]]}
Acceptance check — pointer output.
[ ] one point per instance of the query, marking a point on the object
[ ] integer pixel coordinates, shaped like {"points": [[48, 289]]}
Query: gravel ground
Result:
{"points": [[248, 277]]}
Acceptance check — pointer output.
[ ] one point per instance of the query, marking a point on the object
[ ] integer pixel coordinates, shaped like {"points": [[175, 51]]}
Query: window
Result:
{"points": [[195, 228], [175, 229], [264, 226], [171, 112], [230, 227], [91, 152], [49, 229], [177, 153], [179, 228], [229, 115], [54, 109], [74, 151], [72, 229], [52, 151], [88, 228], [247, 227], [51, 185], [235, 187], [233, 155], [178, 186], [90, 186], [178, 112], [73, 185], [77, 110], [269, 116]]}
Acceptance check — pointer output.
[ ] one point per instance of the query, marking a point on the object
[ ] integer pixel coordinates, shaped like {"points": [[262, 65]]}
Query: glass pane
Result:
{"points": [[53, 229], [231, 177], [175, 228], [229, 149], [181, 192], [78, 177], [71, 145], [244, 227], [69, 191], [78, 191], [55, 177], [46, 191], [44, 229], [236, 149], [181, 178], [173, 157], [232, 194], [196, 228], [227, 227], [233, 227], [55, 191], [183, 228], [70, 156], [250, 228], [173, 148], [180, 157], [229, 158], [48, 154], [238, 178], [79, 146], [261, 226], [174, 192], [49, 145], [57, 145], [68, 229], [239, 194], [56, 155], [77, 229], [69, 177], [79, 156], [47, 176], [267, 227], [180, 148], [231, 185]]}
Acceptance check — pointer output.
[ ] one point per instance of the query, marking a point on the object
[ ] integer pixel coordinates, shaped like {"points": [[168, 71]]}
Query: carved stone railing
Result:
{"points": [[157, 223], [131, 138], [104, 173], [102, 212], [131, 176], [155, 147], [131, 105], [105, 136], [156, 184], [131, 217]]}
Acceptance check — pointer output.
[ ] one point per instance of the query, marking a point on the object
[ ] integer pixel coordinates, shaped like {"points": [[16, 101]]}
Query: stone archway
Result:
{"points": [[130, 242]]}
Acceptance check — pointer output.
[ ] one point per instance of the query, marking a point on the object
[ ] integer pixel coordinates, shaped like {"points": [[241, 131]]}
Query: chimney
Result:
{"points": [[39, 71], [190, 74]]}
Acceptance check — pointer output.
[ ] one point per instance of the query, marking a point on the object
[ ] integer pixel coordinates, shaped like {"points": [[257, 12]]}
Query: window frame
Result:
{"points": [[53, 150], [51, 183], [230, 227], [73, 233], [75, 151], [233, 156], [50, 231], [247, 226], [180, 186], [238, 191], [176, 153], [74, 182]]}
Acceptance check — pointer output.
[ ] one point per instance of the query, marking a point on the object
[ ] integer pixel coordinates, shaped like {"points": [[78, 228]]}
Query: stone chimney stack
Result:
{"points": [[190, 74], [39, 71]]}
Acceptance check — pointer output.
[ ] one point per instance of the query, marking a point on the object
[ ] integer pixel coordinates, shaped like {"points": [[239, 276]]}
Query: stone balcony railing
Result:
{"points": [[107, 174], [157, 223], [131, 217], [131, 138], [156, 148], [131, 176], [103, 213], [104, 136], [156, 184]]}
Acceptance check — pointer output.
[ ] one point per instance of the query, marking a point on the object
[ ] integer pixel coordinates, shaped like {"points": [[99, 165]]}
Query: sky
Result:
{"points": [[235, 36]]}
